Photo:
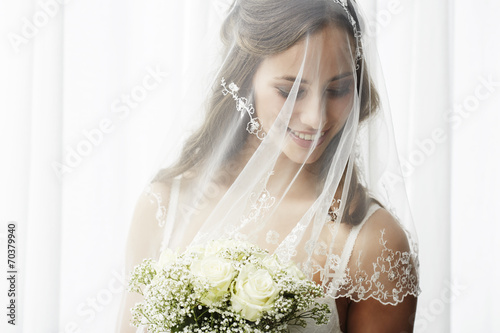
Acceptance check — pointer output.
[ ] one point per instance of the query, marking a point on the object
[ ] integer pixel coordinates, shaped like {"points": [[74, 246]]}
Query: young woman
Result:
{"points": [[295, 154]]}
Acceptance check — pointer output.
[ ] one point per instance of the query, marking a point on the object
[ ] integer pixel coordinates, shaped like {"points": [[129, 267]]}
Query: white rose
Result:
{"points": [[166, 257], [253, 293], [218, 272], [271, 263], [294, 271]]}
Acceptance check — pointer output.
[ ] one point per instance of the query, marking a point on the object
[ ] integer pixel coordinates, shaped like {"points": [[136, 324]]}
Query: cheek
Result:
{"points": [[338, 110], [267, 106]]}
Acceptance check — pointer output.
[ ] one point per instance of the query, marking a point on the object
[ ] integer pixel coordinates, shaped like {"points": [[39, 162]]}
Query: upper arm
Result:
{"points": [[382, 257], [371, 316]]}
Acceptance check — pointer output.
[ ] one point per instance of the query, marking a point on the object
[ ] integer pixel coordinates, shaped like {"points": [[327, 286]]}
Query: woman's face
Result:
{"points": [[324, 98]]}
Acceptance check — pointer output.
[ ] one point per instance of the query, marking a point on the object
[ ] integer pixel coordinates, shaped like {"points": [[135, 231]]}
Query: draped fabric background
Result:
{"points": [[84, 108]]}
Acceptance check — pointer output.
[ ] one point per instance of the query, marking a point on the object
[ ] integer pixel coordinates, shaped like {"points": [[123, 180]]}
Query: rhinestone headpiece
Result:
{"points": [[356, 29]]}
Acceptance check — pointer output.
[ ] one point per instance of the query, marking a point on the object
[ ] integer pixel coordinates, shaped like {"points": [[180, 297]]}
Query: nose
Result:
{"points": [[312, 111]]}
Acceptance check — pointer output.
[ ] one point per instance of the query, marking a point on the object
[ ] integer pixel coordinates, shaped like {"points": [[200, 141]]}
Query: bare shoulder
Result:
{"points": [[381, 256], [385, 228], [382, 251]]}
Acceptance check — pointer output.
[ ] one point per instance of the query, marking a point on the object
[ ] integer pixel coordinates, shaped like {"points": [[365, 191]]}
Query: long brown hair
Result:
{"points": [[253, 30]]}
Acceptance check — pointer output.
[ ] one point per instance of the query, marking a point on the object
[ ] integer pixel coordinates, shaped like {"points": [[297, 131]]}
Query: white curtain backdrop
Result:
{"points": [[84, 94]]}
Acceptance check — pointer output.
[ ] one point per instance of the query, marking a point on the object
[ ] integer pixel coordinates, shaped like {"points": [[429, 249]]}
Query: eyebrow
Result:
{"points": [[335, 78]]}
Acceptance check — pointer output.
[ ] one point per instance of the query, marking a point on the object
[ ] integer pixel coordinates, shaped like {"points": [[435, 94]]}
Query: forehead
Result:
{"points": [[326, 53]]}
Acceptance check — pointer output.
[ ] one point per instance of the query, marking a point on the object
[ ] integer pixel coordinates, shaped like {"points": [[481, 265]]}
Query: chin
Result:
{"points": [[300, 156]]}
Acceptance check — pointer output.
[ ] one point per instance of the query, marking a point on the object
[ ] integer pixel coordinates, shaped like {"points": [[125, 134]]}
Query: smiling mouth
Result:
{"points": [[307, 140], [307, 136]]}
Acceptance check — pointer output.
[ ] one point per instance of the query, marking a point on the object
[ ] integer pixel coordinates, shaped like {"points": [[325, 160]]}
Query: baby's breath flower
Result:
{"points": [[175, 293]]}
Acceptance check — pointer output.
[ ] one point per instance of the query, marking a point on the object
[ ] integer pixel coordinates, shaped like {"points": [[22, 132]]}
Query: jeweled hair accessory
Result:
{"points": [[243, 106], [355, 28]]}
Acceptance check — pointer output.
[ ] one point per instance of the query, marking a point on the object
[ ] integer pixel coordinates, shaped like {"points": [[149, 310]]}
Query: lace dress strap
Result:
{"points": [[351, 239], [171, 211]]}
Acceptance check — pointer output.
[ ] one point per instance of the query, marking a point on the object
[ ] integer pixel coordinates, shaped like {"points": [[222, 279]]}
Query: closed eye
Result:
{"points": [[285, 92], [341, 91]]}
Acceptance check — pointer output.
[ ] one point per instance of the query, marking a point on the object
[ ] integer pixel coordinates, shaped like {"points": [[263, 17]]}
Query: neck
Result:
{"points": [[303, 176]]}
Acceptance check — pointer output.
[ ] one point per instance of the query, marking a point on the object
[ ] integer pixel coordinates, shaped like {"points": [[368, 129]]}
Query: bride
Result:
{"points": [[295, 154]]}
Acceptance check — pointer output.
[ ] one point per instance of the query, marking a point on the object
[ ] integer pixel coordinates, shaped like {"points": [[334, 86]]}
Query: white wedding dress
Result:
{"points": [[289, 146], [333, 325]]}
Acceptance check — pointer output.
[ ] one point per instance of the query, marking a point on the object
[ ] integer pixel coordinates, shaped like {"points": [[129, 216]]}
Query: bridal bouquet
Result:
{"points": [[225, 286]]}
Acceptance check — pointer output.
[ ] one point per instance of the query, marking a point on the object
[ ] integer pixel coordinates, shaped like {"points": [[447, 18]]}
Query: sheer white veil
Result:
{"points": [[293, 150]]}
